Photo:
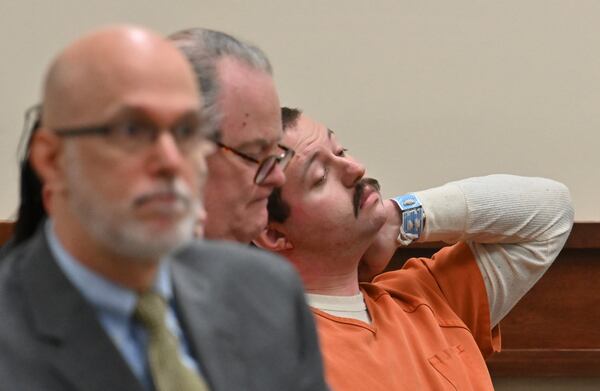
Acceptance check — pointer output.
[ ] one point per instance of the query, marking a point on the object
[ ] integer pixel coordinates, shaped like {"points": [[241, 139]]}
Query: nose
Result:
{"points": [[276, 177], [166, 157], [352, 171]]}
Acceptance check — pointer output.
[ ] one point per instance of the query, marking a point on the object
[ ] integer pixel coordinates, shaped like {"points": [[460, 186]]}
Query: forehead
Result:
{"points": [[308, 138], [249, 104], [158, 89], [307, 135], [158, 82]]}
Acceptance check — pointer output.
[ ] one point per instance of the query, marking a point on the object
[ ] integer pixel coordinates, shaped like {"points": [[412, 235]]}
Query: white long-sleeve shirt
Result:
{"points": [[515, 226]]}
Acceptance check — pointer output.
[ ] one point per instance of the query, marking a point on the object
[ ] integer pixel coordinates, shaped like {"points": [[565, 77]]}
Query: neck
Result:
{"points": [[345, 284], [135, 274], [335, 275], [382, 249]]}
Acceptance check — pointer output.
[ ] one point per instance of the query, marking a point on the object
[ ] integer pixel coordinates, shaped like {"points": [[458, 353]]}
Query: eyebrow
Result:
{"points": [[142, 114], [314, 156]]}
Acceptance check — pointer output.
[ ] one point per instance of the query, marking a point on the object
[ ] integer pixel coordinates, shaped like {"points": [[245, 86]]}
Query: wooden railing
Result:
{"points": [[6, 228]]}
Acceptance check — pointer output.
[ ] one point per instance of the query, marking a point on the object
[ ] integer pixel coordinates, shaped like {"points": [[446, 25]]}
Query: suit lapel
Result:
{"points": [[212, 328], [76, 343]]}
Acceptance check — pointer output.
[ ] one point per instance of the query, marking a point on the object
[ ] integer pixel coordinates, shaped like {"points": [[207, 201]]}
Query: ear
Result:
{"points": [[273, 239], [44, 153]]}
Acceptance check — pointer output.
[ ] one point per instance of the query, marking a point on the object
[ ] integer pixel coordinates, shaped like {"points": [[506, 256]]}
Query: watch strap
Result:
{"points": [[413, 218]]}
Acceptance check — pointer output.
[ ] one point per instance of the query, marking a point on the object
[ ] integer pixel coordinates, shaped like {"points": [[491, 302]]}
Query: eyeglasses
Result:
{"points": [[134, 136], [265, 166]]}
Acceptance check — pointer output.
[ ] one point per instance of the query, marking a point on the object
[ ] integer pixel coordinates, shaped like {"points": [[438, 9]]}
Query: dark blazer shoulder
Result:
{"points": [[259, 322], [50, 337], [235, 261]]}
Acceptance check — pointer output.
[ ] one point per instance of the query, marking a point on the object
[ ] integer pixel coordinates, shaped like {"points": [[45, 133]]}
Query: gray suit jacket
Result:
{"points": [[243, 312]]}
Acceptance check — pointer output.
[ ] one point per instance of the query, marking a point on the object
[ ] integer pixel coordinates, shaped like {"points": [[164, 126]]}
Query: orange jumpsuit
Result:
{"points": [[430, 330]]}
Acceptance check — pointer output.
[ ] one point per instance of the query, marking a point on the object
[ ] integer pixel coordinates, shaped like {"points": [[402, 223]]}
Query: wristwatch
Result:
{"points": [[413, 218]]}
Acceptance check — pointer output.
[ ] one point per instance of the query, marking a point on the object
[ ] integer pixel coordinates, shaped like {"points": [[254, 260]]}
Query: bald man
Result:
{"points": [[111, 294]]}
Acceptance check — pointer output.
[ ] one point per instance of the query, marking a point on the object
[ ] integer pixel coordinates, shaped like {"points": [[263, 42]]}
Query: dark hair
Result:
{"points": [[278, 208], [31, 212], [289, 117]]}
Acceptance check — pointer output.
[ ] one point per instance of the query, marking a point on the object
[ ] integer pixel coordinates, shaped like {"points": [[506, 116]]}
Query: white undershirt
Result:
{"points": [[515, 226], [345, 306]]}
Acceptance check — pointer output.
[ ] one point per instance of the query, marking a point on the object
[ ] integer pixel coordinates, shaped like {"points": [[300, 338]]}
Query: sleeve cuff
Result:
{"points": [[446, 210]]}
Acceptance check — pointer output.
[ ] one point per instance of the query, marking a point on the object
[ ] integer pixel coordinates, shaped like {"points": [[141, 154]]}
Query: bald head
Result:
{"points": [[138, 177], [86, 82]]}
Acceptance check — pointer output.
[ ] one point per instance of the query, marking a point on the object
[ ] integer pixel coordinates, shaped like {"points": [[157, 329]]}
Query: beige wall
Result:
{"points": [[422, 91]]}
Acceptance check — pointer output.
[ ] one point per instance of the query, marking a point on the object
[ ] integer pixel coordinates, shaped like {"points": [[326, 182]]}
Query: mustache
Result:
{"points": [[175, 190], [359, 190]]}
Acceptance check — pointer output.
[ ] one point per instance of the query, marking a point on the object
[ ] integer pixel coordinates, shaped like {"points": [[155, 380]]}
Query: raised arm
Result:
{"points": [[515, 226]]}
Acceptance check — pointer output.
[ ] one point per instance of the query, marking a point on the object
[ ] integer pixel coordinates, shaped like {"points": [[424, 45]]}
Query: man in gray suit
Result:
{"points": [[120, 152]]}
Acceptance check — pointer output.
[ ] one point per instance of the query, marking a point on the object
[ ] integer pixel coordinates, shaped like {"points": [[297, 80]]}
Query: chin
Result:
{"points": [[139, 241], [248, 228], [245, 236], [161, 226], [257, 217], [375, 221], [252, 230]]}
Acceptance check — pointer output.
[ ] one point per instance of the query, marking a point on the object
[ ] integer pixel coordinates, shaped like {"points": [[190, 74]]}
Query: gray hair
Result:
{"points": [[203, 48]]}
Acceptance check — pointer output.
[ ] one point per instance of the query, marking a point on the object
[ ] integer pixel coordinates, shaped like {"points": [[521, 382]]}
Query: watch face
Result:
{"points": [[407, 201]]}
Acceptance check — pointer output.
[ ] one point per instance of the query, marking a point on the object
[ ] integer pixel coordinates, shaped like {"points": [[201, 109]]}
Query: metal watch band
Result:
{"points": [[413, 218]]}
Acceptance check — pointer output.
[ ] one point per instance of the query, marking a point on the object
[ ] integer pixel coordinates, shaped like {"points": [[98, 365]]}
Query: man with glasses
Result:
{"points": [[112, 293], [428, 325], [236, 79]]}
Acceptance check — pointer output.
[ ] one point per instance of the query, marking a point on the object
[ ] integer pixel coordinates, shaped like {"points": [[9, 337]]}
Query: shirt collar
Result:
{"points": [[102, 293]]}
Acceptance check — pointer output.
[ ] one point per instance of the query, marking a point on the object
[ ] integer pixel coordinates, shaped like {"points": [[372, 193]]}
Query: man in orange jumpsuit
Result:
{"points": [[429, 325]]}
